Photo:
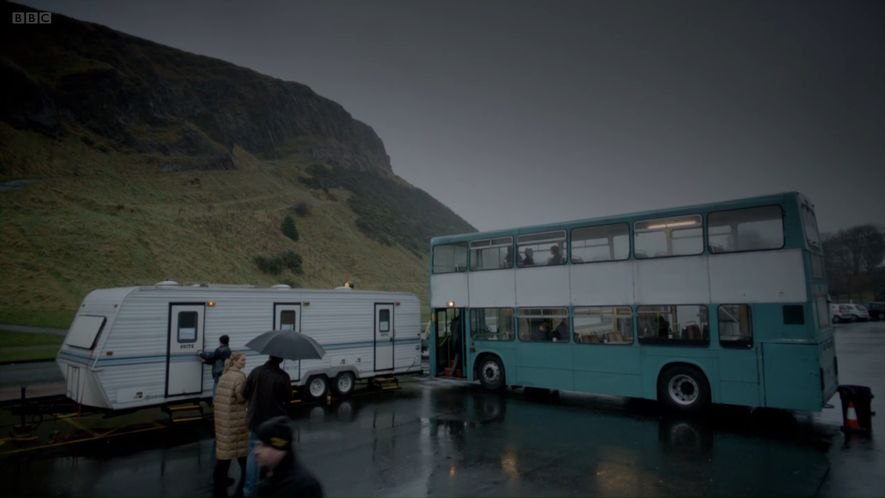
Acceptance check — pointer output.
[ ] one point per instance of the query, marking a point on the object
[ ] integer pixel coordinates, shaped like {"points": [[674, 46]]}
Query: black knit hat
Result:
{"points": [[276, 432]]}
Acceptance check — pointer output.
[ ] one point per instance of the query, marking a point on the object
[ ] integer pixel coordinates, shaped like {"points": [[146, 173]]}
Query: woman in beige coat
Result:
{"points": [[231, 433]]}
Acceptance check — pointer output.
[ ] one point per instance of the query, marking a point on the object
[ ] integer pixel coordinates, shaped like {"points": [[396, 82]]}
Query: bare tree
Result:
{"points": [[852, 253]]}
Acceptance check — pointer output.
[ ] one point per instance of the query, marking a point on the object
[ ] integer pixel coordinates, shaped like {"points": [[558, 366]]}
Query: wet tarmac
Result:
{"points": [[441, 438]]}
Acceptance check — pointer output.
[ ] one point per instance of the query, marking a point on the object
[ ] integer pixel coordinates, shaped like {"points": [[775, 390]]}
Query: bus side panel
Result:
{"points": [[607, 369], [739, 378], [547, 365], [448, 287], [827, 355], [792, 376]]}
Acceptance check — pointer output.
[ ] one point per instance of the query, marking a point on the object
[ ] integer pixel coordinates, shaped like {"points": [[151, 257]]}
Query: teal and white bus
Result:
{"points": [[714, 303]]}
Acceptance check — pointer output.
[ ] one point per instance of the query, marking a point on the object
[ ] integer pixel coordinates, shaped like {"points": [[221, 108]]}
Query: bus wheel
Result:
{"points": [[343, 384], [684, 388], [317, 386], [491, 373]]}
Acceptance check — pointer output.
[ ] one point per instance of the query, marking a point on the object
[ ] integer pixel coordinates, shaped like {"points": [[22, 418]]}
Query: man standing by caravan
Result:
{"points": [[268, 390], [216, 359]]}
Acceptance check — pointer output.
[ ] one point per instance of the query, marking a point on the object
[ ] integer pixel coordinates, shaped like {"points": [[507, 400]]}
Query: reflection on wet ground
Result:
{"points": [[438, 438]]}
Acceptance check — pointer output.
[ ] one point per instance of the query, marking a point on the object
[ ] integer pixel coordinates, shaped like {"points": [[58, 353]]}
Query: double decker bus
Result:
{"points": [[715, 303]]}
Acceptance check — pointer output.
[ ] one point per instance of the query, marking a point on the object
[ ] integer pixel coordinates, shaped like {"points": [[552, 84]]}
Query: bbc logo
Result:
{"points": [[32, 18]]}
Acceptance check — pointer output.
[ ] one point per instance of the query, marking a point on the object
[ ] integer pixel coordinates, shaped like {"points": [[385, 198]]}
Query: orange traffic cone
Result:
{"points": [[851, 417]]}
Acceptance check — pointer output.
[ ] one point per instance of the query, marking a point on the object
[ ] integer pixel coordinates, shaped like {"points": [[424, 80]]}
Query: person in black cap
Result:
{"points": [[282, 473], [216, 359]]}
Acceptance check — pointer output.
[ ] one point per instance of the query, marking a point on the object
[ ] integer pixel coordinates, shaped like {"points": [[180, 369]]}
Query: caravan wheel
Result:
{"points": [[344, 384], [317, 386]]}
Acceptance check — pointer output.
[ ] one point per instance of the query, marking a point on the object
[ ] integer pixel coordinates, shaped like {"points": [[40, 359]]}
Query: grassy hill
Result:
{"points": [[125, 162]]}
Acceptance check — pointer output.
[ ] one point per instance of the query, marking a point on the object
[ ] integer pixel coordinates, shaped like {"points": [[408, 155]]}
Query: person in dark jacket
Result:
{"points": [[283, 474], [216, 359], [268, 390]]}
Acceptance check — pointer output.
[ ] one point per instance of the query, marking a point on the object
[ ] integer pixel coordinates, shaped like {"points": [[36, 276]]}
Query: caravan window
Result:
{"points": [[187, 326], [85, 330], [384, 320], [288, 319]]}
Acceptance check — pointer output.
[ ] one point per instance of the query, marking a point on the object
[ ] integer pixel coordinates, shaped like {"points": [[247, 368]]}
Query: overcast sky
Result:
{"points": [[523, 112]]}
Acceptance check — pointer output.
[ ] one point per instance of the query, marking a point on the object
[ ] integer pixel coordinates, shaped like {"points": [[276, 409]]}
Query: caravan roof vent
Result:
{"points": [[167, 283], [281, 286]]}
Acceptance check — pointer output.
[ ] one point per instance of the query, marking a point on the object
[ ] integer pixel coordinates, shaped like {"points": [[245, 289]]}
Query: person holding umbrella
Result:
{"points": [[268, 388]]}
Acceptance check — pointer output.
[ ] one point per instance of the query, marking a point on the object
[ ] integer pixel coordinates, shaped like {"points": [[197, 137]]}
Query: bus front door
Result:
{"points": [[449, 339]]}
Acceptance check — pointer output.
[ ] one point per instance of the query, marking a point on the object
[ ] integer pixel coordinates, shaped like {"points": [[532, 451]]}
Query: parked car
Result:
{"points": [[876, 310], [842, 313], [860, 312]]}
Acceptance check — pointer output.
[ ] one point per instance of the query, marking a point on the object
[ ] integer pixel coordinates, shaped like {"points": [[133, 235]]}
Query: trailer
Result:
{"points": [[134, 347]]}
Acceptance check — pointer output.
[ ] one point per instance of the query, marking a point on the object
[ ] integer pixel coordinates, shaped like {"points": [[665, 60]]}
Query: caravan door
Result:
{"points": [[184, 369], [287, 316], [384, 336]]}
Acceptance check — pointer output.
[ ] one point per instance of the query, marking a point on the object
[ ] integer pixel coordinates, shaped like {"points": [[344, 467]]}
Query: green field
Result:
{"points": [[24, 346]]}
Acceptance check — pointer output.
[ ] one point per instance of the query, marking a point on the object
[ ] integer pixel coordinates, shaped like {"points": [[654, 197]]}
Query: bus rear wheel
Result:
{"points": [[491, 373], [684, 388]]}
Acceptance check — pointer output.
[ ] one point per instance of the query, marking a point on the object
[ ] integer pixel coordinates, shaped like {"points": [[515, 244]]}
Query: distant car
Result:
{"points": [[876, 310], [860, 312], [842, 313]]}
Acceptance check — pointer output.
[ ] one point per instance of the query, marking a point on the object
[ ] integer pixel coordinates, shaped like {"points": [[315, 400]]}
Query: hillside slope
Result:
{"points": [[126, 162]]}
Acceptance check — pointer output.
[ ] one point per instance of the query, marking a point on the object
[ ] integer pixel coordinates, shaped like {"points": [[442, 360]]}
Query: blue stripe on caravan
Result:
{"points": [[74, 357], [111, 361]]}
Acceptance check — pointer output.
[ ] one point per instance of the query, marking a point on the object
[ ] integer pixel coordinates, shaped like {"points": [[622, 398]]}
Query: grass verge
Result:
{"points": [[23, 346]]}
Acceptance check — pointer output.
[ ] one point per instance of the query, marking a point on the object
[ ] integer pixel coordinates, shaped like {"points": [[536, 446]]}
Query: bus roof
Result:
{"points": [[729, 204]]}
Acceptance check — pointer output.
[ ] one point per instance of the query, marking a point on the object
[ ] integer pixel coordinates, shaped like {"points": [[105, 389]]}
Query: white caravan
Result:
{"points": [[132, 347]]}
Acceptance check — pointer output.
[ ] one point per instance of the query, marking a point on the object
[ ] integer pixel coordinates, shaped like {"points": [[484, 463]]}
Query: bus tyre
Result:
{"points": [[343, 384], [684, 388], [491, 373], [317, 386]]}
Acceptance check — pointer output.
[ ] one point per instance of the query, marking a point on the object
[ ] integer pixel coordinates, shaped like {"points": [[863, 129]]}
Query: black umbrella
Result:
{"points": [[287, 344]]}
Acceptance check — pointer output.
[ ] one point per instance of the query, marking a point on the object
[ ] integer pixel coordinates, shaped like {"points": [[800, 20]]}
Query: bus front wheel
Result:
{"points": [[491, 373], [684, 388]]}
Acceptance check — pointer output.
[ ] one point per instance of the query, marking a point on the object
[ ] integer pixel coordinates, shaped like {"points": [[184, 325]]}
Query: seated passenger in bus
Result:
{"points": [[664, 331], [561, 331], [529, 259], [615, 337], [555, 255], [508, 259], [542, 333]]}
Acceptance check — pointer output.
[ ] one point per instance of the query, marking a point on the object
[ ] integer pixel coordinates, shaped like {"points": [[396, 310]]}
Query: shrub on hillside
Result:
{"points": [[274, 265], [271, 266], [288, 228], [291, 261]]}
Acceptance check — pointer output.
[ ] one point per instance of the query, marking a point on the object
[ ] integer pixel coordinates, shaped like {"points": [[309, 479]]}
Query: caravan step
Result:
{"points": [[387, 383], [185, 412]]}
